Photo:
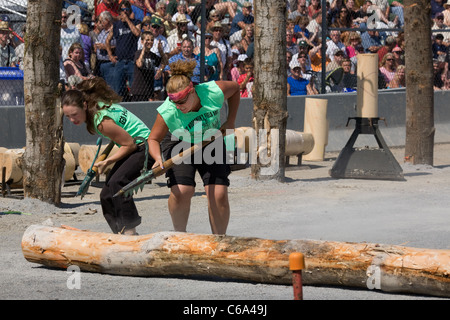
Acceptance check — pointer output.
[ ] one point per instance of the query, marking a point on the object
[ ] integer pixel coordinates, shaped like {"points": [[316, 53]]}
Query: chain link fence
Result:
{"points": [[131, 44]]}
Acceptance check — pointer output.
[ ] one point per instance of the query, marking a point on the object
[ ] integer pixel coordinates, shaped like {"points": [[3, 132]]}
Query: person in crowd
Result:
{"points": [[187, 54], [88, 45], [161, 49], [305, 68], [223, 44], [438, 47], [242, 18], [182, 10], [314, 8], [238, 68], [344, 19], [197, 11], [437, 6], [112, 6], [397, 9], [338, 59], [388, 46], [247, 36], [246, 79], [301, 31], [288, 61], [304, 48], [226, 7], [300, 11], [213, 18], [97, 105], [399, 55], [143, 8], [438, 75], [352, 44], [164, 17], [146, 25], [8, 56], [69, 34], [349, 81], [105, 67], [335, 10], [181, 33], [188, 103], [439, 25], [334, 44], [315, 26], [145, 64], [446, 13], [291, 45], [75, 65], [212, 58], [126, 32], [371, 41], [20, 49], [399, 79], [296, 84], [388, 67]]}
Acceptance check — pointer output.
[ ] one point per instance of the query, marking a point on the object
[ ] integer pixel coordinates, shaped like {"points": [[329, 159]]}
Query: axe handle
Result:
{"points": [[104, 155], [157, 171]]}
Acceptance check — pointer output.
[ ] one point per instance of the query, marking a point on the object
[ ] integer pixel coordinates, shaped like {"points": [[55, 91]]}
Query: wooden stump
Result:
{"points": [[363, 265]]}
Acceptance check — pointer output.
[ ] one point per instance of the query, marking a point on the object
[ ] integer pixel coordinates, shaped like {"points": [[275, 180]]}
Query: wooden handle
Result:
{"points": [[104, 155]]}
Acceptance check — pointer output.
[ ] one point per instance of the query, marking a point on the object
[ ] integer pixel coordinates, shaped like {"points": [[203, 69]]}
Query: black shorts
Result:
{"points": [[211, 172]]}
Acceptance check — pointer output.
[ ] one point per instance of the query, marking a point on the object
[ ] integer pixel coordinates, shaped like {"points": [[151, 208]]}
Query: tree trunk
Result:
{"points": [[419, 83], [363, 265], [269, 89], [43, 159]]}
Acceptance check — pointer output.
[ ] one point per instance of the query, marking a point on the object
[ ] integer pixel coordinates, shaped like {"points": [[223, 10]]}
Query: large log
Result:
{"points": [[363, 265]]}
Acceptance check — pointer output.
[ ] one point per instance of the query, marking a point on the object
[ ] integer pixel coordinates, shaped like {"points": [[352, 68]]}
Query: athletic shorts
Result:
{"points": [[211, 172]]}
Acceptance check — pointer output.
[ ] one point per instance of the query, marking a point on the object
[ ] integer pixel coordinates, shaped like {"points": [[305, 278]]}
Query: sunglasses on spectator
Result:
{"points": [[301, 57], [389, 59], [155, 26]]}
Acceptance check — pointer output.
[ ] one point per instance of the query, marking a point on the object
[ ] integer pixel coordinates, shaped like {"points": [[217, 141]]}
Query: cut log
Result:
{"points": [[75, 148], [296, 142], [70, 164], [11, 159], [317, 124], [86, 156], [362, 265]]}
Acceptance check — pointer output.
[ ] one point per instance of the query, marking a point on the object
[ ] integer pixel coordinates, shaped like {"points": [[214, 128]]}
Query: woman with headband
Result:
{"points": [[188, 114]]}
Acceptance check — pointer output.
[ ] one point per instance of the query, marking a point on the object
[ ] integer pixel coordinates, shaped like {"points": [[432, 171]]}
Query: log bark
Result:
{"points": [[363, 265]]}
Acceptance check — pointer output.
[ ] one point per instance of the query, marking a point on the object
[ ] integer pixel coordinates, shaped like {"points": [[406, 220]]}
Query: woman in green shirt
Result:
{"points": [[96, 104], [193, 114]]}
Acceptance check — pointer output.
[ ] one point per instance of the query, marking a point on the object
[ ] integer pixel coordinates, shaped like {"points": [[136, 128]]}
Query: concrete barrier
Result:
{"points": [[391, 106]]}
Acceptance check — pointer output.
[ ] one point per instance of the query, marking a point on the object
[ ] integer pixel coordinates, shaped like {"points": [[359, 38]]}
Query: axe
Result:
{"points": [[149, 175], [92, 172]]}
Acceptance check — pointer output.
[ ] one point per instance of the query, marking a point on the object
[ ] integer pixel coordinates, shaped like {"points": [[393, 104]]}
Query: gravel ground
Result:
{"points": [[310, 205]]}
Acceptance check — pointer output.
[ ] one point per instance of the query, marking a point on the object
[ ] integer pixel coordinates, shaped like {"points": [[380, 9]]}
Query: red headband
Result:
{"points": [[181, 94]]}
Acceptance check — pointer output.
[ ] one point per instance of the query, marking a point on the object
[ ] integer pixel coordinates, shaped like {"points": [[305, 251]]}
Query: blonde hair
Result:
{"points": [[182, 72]]}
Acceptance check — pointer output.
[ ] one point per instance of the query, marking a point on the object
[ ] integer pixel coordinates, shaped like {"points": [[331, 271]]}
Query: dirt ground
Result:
{"points": [[309, 205]]}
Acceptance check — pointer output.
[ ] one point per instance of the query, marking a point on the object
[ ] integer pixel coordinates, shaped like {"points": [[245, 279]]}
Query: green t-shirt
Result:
{"points": [[197, 125], [124, 119]]}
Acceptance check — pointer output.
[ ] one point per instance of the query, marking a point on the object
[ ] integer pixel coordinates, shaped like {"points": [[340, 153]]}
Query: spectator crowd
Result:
{"points": [[131, 43]]}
